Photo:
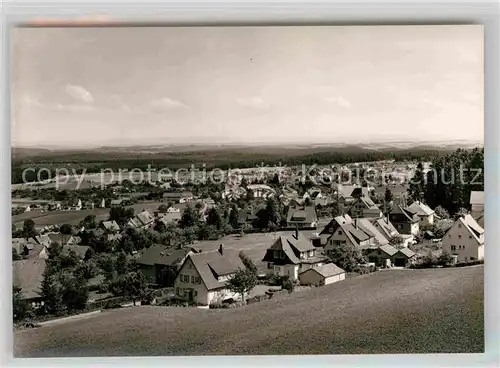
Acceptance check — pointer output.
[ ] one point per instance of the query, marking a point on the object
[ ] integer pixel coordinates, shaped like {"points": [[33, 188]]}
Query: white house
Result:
{"points": [[322, 275], [203, 276], [464, 240], [290, 255], [424, 212]]}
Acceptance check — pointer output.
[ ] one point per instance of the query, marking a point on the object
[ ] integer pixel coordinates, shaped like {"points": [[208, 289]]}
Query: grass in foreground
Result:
{"points": [[399, 311]]}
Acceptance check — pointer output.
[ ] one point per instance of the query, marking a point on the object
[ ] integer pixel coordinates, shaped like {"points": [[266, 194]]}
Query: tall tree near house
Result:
{"points": [[121, 215], [29, 228], [190, 217], [388, 195], [89, 222], [441, 212], [273, 212], [233, 217], [396, 241], [66, 229], [417, 184], [461, 212], [249, 265], [242, 282], [346, 257], [214, 218], [20, 308]]}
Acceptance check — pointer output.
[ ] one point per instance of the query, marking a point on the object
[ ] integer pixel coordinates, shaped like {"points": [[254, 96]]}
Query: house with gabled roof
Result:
{"points": [[302, 218], [381, 256], [110, 226], [290, 255], [142, 220], [203, 276], [364, 207], [464, 240], [424, 212], [406, 222], [348, 232]]}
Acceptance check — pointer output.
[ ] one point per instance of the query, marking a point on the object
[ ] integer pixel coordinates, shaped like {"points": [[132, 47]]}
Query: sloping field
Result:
{"points": [[399, 311]]}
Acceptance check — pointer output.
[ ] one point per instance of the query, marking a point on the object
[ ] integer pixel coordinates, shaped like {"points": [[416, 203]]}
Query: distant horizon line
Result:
{"points": [[249, 143]]}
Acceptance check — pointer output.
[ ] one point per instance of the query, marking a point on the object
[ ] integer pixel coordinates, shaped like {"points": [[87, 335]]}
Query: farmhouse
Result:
{"points": [[110, 226], [381, 256], [142, 220], [476, 203], [364, 207], [233, 192], [405, 221], [203, 276], [290, 255], [322, 275], [402, 257], [28, 275], [170, 217], [464, 240], [303, 218], [63, 239], [424, 212], [348, 232], [159, 264]]}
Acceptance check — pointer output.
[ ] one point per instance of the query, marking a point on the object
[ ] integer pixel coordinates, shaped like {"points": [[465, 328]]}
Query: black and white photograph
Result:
{"points": [[247, 190]]}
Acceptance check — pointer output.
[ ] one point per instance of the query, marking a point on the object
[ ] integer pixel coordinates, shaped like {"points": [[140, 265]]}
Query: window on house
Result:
{"points": [[459, 225], [177, 291], [282, 255], [198, 280], [311, 253], [269, 265], [192, 279], [186, 278], [195, 293], [453, 247], [340, 232], [470, 236], [472, 258], [460, 237]]}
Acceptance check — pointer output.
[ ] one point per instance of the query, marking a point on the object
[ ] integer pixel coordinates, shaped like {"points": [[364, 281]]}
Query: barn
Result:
{"points": [[322, 275]]}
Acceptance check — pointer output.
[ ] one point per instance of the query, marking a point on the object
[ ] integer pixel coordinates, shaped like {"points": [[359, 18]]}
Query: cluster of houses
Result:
{"points": [[201, 276]]}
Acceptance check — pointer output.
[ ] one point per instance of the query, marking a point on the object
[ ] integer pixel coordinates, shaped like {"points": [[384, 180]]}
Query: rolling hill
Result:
{"points": [[398, 311]]}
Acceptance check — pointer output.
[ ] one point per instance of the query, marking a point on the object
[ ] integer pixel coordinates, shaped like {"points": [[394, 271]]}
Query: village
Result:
{"points": [[226, 244]]}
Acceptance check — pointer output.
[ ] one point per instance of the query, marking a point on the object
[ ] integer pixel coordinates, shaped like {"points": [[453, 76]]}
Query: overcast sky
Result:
{"points": [[92, 86]]}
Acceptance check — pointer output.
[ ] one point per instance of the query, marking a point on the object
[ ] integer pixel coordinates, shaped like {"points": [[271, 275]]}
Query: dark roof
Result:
{"points": [[152, 255], [286, 244], [171, 257], [80, 250], [302, 214], [399, 210], [212, 264], [327, 270]]}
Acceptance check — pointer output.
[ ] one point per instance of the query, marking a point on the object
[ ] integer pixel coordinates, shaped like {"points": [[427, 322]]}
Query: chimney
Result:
{"points": [[297, 232], [221, 250], [355, 222]]}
